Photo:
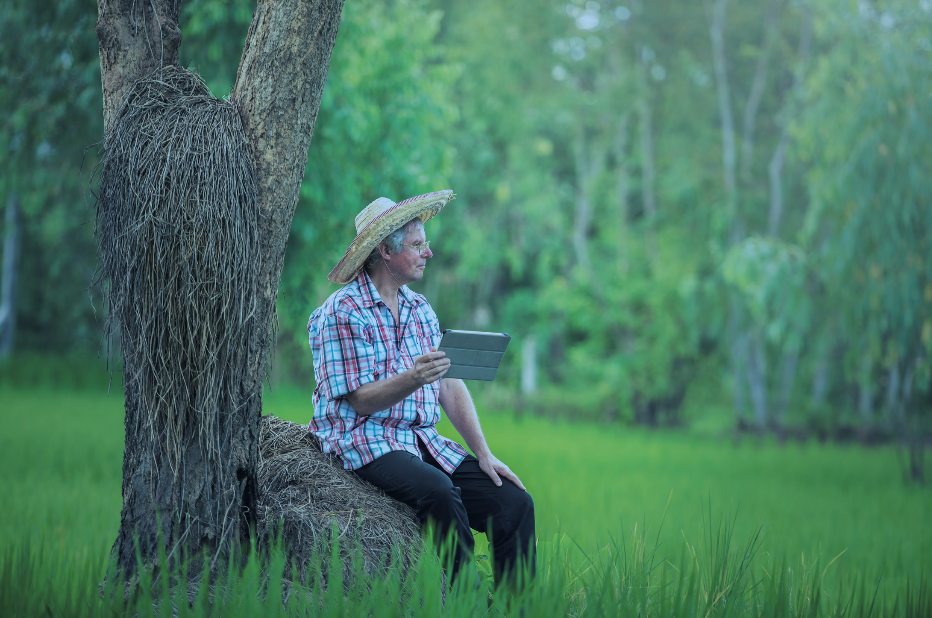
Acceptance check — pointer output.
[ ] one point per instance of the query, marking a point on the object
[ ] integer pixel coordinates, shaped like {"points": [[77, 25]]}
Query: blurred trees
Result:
{"points": [[50, 97], [717, 202]]}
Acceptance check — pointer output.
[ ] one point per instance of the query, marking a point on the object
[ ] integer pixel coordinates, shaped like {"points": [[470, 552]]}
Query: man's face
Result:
{"points": [[408, 265]]}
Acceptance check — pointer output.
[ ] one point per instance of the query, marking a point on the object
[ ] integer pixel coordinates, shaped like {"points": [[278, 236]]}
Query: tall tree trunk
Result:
{"points": [[757, 90], [893, 396], [583, 164], [787, 378], [646, 132], [206, 504], [820, 380], [11, 240], [717, 34], [757, 378], [135, 38], [738, 348], [622, 187], [586, 163], [775, 167], [529, 365], [866, 392]]}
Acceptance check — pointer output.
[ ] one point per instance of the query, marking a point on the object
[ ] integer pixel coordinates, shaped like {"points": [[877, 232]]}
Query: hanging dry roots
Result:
{"points": [[176, 224], [307, 495]]}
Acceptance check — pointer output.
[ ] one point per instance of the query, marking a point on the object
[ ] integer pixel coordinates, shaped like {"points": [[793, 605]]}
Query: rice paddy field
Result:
{"points": [[628, 520]]}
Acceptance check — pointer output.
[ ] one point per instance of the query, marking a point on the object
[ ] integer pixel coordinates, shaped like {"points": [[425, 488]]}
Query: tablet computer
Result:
{"points": [[473, 355]]}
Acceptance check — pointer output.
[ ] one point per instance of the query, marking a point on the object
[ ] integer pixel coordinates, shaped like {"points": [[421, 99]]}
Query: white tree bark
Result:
{"points": [[11, 241], [648, 173], [622, 188], [757, 89], [529, 365], [775, 167]]}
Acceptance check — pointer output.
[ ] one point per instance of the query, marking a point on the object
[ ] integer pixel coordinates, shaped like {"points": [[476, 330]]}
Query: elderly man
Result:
{"points": [[379, 383]]}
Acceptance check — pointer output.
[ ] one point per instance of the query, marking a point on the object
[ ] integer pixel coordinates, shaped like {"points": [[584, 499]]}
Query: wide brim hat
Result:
{"points": [[377, 221]]}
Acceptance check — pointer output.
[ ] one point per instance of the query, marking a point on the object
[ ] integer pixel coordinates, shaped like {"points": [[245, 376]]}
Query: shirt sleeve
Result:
{"points": [[348, 354]]}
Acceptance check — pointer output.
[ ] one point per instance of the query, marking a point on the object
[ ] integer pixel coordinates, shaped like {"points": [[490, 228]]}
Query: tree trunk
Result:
{"points": [[738, 348], [757, 90], [529, 365], [206, 504], [583, 164], [135, 38], [621, 159], [11, 239], [757, 378], [787, 379], [775, 167], [866, 392], [647, 154]]}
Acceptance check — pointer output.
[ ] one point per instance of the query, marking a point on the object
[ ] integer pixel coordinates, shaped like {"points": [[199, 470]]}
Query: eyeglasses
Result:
{"points": [[420, 249]]}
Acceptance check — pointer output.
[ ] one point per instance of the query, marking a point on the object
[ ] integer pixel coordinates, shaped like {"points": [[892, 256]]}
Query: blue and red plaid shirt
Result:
{"points": [[356, 340]]}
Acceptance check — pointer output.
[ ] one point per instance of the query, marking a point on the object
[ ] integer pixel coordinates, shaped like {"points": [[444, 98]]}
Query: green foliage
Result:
{"points": [[546, 121], [867, 136], [772, 277], [51, 102]]}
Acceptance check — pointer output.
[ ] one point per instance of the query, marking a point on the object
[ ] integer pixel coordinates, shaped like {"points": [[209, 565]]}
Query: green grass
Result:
{"points": [[601, 490]]}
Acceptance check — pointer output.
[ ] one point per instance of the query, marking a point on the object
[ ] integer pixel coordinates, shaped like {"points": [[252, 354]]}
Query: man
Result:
{"points": [[379, 383]]}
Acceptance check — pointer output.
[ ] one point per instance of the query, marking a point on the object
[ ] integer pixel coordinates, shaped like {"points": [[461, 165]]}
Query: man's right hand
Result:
{"points": [[430, 367]]}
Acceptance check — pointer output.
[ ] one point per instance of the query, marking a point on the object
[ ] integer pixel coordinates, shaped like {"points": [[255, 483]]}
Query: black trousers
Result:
{"points": [[465, 499]]}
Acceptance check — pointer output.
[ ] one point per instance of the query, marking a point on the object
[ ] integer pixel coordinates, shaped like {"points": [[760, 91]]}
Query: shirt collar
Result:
{"points": [[370, 294]]}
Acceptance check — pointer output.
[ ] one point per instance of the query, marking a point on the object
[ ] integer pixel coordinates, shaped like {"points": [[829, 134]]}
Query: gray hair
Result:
{"points": [[392, 242]]}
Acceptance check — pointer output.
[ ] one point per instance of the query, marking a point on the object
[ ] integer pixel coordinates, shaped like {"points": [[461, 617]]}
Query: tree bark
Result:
{"points": [[775, 167], [11, 239], [135, 38], [205, 505], [787, 379], [622, 188], [648, 173], [717, 34], [583, 164], [866, 391], [757, 378], [757, 90], [739, 340]]}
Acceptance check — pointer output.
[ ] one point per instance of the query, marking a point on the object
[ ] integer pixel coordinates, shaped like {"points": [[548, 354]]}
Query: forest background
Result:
{"points": [[709, 214]]}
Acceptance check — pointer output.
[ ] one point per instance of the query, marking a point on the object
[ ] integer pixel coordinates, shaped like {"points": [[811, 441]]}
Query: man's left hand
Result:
{"points": [[496, 469]]}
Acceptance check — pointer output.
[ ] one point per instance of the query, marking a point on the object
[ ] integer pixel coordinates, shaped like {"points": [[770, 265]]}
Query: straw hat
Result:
{"points": [[377, 221]]}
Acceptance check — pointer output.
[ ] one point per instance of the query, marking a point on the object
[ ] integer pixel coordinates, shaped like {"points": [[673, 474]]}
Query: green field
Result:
{"points": [[593, 485]]}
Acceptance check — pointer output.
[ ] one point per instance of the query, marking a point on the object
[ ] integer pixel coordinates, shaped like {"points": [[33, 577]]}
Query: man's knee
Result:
{"points": [[440, 492], [520, 506]]}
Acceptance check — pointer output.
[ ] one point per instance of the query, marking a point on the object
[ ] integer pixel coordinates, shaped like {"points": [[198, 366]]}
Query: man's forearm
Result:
{"points": [[459, 408], [382, 394]]}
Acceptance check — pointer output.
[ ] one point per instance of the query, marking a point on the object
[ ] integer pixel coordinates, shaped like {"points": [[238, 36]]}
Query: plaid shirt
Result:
{"points": [[355, 340]]}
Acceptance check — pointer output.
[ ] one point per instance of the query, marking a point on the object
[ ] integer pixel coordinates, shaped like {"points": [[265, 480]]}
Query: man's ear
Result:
{"points": [[383, 251]]}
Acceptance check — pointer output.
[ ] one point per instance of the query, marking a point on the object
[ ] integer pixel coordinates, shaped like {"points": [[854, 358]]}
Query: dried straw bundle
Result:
{"points": [[304, 493], [178, 257]]}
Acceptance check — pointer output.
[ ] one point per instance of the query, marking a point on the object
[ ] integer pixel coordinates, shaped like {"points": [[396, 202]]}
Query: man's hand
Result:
{"points": [[430, 367], [496, 469]]}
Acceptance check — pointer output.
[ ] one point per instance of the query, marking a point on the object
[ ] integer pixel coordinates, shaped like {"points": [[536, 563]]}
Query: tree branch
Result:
{"points": [[135, 38], [278, 91]]}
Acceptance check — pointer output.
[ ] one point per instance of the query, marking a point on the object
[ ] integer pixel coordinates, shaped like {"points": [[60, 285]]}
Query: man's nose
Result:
{"points": [[429, 253]]}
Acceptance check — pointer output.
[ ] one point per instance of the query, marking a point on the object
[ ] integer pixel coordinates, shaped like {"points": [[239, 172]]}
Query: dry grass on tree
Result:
{"points": [[177, 223], [305, 494]]}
